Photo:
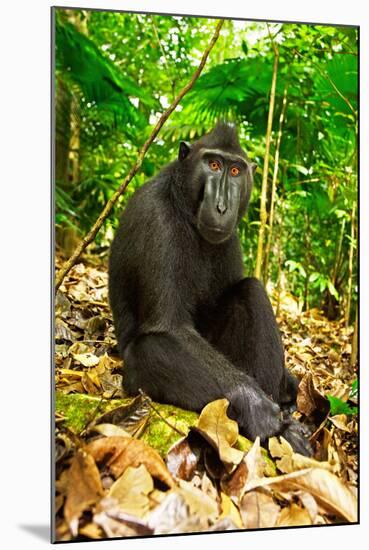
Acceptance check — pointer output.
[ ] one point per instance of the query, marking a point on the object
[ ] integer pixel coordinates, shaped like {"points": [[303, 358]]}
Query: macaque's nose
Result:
{"points": [[221, 207]]}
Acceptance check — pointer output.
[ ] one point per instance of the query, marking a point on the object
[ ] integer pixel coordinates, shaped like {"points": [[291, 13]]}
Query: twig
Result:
{"points": [[160, 415], [274, 184], [264, 183], [111, 202]]}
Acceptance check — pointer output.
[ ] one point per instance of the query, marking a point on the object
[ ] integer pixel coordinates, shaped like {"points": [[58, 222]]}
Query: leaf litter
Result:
{"points": [[110, 483]]}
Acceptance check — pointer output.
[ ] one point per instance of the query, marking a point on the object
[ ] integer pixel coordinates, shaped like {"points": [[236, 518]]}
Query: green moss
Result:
{"points": [[79, 409], [162, 436]]}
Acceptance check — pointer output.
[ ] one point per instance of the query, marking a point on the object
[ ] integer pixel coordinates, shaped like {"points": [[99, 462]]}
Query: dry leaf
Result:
{"points": [[199, 503], [258, 509], [109, 430], [91, 531], [84, 488], [220, 431], [329, 492], [131, 490], [86, 359], [172, 511], [131, 417], [89, 384], [234, 484], [182, 459], [309, 502], [340, 421], [291, 461], [120, 452], [309, 399], [255, 462], [230, 510], [117, 523], [78, 347], [293, 515], [63, 332]]}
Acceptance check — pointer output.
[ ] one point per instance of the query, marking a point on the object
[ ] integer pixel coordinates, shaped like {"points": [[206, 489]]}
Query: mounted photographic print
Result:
{"points": [[205, 186]]}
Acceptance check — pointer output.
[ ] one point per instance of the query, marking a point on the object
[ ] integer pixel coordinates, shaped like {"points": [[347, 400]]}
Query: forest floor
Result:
{"points": [[130, 467]]}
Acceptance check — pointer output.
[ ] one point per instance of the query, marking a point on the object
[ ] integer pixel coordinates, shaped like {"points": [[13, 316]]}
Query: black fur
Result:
{"points": [[190, 327]]}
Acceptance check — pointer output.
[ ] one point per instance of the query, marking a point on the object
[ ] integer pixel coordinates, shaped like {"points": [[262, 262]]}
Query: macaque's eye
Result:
{"points": [[215, 165], [235, 171]]}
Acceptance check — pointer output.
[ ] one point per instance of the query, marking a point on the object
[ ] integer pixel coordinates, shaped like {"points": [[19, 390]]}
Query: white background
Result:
{"points": [[25, 271]]}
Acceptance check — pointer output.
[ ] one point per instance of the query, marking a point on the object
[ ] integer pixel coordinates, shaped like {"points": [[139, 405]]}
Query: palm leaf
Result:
{"points": [[101, 83]]}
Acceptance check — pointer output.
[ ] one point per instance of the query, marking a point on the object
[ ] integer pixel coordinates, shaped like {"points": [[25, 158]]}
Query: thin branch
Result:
{"points": [[264, 184], [156, 411], [111, 202], [274, 184]]}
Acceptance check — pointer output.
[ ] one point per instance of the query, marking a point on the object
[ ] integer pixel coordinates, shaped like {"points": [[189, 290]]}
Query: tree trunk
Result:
{"points": [[264, 185]]}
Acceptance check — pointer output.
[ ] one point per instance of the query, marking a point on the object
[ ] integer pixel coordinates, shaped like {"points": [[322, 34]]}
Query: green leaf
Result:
{"points": [[101, 82], [337, 406], [354, 388], [332, 289], [313, 277], [296, 266]]}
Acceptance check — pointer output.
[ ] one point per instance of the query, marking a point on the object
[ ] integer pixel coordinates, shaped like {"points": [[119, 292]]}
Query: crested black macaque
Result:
{"points": [[190, 327]]}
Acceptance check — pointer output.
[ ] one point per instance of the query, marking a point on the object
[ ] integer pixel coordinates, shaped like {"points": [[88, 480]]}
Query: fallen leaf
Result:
{"points": [[78, 348], [112, 385], [172, 511], [331, 495], [255, 462], [258, 509], [109, 430], [63, 332], [230, 510], [220, 431], [131, 490], [62, 305], [309, 502], [234, 484], [120, 452], [131, 417], [340, 421], [117, 523], [86, 359], [251, 468], [89, 385], [182, 458], [222, 524], [199, 503], [293, 515], [91, 531], [84, 488], [291, 461], [309, 399]]}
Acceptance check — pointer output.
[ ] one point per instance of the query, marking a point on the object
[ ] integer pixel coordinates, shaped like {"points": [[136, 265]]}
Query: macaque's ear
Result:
{"points": [[184, 150], [253, 167]]}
